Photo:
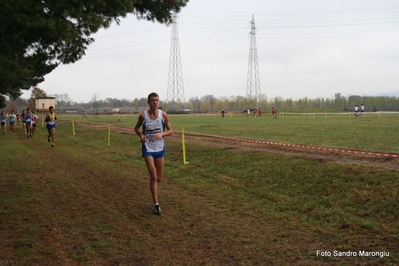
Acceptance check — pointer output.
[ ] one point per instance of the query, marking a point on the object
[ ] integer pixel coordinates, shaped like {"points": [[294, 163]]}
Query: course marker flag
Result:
{"points": [[184, 147], [109, 134]]}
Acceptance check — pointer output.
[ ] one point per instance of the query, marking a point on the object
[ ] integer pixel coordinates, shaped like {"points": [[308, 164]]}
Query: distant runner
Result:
{"points": [[356, 111], [35, 119], [23, 117], [50, 119], [13, 118], [3, 122], [274, 112], [362, 111], [28, 121]]}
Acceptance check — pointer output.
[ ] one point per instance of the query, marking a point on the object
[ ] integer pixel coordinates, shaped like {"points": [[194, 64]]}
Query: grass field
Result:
{"points": [[85, 202], [376, 133]]}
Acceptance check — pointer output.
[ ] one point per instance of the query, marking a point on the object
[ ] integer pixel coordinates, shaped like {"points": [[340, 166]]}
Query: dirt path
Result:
{"points": [[328, 156]]}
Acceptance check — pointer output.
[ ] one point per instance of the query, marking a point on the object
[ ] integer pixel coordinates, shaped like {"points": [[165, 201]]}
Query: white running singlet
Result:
{"points": [[152, 127]]}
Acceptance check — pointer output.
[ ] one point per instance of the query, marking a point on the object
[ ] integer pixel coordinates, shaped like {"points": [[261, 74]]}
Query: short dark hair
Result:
{"points": [[51, 107], [152, 94]]}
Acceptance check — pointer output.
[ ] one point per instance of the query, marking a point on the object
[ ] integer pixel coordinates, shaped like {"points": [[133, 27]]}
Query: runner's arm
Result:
{"points": [[169, 130]]}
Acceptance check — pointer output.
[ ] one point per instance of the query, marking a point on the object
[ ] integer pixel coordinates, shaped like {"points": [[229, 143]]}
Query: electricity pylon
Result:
{"points": [[253, 83], [175, 94]]}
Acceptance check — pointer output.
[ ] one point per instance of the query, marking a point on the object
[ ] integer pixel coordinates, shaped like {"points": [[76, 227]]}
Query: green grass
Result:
{"points": [[84, 202], [375, 133]]}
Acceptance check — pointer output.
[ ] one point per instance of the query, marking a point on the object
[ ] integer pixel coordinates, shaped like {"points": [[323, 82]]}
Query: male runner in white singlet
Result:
{"points": [[156, 126]]}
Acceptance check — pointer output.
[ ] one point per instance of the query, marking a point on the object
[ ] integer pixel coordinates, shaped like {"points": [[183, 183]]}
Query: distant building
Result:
{"points": [[43, 103]]}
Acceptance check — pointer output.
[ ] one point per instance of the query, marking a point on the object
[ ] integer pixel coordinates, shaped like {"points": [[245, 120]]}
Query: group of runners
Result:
{"points": [[29, 121], [357, 113], [11, 118], [259, 112], [27, 117]]}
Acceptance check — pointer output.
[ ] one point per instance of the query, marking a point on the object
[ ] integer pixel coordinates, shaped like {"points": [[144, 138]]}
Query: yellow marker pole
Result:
{"points": [[109, 134], [379, 114], [42, 122], [313, 115], [184, 146], [73, 127], [326, 115], [231, 115]]}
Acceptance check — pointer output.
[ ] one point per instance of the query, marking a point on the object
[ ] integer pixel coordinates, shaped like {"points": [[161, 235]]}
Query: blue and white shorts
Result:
{"points": [[49, 126], [155, 155]]}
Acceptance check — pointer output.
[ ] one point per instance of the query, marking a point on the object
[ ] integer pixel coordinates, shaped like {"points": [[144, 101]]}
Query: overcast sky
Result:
{"points": [[312, 48]]}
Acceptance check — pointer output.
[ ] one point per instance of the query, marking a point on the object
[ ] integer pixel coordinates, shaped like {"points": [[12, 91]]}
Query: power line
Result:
{"points": [[330, 12], [293, 14], [296, 22], [152, 43], [323, 37], [165, 50], [330, 25], [145, 30], [275, 25], [236, 27], [229, 40]]}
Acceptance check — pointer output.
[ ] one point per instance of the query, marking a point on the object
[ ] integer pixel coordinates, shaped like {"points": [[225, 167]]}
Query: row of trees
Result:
{"points": [[210, 103]]}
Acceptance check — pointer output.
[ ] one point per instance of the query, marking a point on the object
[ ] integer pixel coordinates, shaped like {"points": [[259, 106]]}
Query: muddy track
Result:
{"points": [[379, 162]]}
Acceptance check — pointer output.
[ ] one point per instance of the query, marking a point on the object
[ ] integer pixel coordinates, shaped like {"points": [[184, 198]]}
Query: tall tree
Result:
{"points": [[37, 36], [11, 106], [136, 103], [36, 92], [21, 103]]}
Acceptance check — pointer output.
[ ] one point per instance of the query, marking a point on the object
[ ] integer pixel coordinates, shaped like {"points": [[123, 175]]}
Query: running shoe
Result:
{"points": [[52, 145], [157, 209]]}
